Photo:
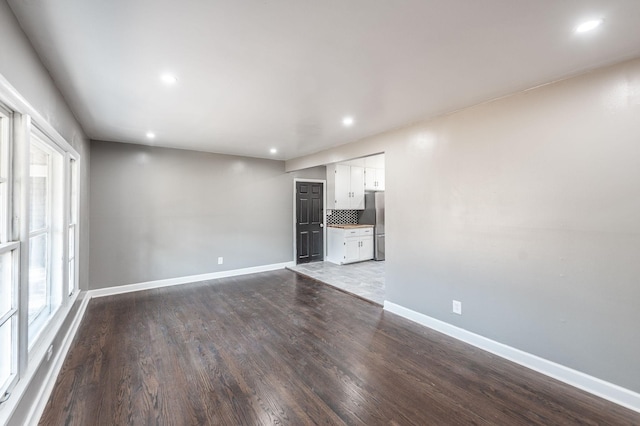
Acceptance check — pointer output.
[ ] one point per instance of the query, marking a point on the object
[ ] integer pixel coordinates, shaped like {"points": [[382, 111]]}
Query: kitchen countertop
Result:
{"points": [[350, 226]]}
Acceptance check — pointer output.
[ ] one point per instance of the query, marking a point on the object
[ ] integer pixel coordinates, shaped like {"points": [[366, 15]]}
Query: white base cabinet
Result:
{"points": [[349, 245]]}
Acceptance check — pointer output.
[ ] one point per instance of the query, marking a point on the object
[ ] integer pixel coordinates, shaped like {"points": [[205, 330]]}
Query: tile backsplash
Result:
{"points": [[341, 217]]}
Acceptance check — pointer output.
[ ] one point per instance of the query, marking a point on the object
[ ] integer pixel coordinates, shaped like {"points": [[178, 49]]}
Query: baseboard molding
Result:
{"points": [[593, 385], [50, 380], [128, 288]]}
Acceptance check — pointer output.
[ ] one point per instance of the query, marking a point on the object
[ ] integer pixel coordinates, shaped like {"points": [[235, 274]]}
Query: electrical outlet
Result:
{"points": [[220, 260], [457, 307], [49, 352]]}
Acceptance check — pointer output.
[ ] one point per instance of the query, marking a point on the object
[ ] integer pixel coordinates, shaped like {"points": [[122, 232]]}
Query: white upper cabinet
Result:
{"points": [[345, 187], [374, 172], [347, 181], [373, 179], [357, 187]]}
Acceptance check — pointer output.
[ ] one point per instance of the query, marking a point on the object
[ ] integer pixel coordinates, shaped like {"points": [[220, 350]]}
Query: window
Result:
{"points": [[45, 239], [72, 284], [9, 258], [39, 234]]}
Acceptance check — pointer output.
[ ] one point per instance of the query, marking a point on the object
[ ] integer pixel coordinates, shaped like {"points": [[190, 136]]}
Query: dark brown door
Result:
{"points": [[309, 222]]}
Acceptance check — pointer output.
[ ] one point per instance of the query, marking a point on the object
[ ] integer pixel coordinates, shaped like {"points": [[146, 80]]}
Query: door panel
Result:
{"points": [[309, 222], [303, 208], [316, 244], [316, 210], [303, 247]]}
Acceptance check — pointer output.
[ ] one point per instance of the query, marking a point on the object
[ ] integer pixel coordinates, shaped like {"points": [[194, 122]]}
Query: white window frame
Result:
{"points": [[6, 118], [14, 249], [42, 317], [57, 237], [25, 121], [73, 216], [7, 245]]}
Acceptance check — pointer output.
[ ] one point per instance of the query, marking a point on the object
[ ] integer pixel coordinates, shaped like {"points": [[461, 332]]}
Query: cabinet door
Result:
{"points": [[357, 188], [366, 248], [342, 189], [380, 179], [370, 179], [352, 250]]}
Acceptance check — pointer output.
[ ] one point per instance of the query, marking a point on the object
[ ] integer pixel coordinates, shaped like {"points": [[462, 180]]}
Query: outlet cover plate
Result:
{"points": [[457, 307]]}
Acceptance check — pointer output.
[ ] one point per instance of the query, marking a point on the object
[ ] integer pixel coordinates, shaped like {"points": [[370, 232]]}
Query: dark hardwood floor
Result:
{"points": [[278, 348]]}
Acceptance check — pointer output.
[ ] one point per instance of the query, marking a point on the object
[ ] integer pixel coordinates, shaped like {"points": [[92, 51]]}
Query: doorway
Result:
{"points": [[309, 214]]}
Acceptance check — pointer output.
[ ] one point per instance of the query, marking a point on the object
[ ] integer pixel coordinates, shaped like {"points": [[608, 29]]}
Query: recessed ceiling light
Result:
{"points": [[347, 121], [151, 135], [273, 151], [588, 26], [169, 79]]}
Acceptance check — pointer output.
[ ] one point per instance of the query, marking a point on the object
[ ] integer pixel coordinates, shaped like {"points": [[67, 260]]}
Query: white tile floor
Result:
{"points": [[364, 279]]}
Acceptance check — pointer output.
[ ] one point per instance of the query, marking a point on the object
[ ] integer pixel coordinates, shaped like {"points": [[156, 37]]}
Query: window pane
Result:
{"points": [[72, 254], [4, 222], [72, 242], [6, 352], [4, 177], [74, 191], [72, 276], [37, 275], [6, 283], [39, 176], [4, 145]]}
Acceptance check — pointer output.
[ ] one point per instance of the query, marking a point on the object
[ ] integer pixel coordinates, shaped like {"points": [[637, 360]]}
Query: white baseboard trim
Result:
{"points": [[598, 387], [40, 401], [109, 291]]}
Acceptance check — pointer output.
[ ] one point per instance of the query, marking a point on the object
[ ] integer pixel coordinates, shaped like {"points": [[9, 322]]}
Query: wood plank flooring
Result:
{"points": [[279, 348]]}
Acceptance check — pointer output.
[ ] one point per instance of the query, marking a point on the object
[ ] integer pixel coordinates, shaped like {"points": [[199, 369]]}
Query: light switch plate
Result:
{"points": [[457, 307]]}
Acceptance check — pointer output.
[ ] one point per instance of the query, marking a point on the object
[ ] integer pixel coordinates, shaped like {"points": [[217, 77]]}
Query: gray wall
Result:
{"points": [[525, 209], [160, 213], [20, 65]]}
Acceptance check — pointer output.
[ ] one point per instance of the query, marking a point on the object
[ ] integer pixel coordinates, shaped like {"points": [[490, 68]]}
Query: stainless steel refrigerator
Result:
{"points": [[373, 214]]}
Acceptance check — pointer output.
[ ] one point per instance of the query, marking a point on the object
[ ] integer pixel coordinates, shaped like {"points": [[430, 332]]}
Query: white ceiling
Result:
{"points": [[283, 73]]}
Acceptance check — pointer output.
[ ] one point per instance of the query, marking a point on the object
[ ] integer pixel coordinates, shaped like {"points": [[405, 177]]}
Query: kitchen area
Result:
{"points": [[355, 230]]}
